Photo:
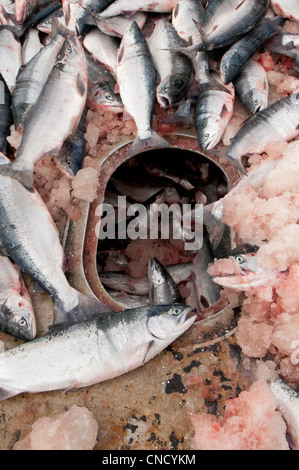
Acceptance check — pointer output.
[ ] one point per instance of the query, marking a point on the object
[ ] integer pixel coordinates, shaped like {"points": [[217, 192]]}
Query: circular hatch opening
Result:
{"points": [[178, 179]]}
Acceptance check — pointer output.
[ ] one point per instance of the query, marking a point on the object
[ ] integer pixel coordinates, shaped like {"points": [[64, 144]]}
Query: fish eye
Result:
{"points": [[109, 97], [49, 21], [68, 49], [206, 136], [240, 259], [176, 311], [69, 163], [22, 322]]}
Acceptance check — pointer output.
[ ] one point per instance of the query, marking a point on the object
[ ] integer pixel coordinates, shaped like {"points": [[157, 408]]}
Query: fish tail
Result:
{"points": [[59, 28], [91, 18], [237, 164], [24, 176], [148, 140], [214, 225], [86, 309], [234, 161], [276, 24], [212, 84], [182, 114]]}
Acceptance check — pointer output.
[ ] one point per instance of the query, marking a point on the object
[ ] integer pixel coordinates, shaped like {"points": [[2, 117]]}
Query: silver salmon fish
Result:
{"points": [[162, 288], [32, 79], [56, 114], [278, 122], [252, 87], [226, 21], [125, 7], [136, 77], [174, 69], [30, 238], [91, 352]]}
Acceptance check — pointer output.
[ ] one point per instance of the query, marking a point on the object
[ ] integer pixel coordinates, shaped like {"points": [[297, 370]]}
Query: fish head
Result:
{"points": [[154, 272], [209, 132], [172, 90], [17, 317], [131, 36], [258, 100], [70, 160], [46, 25], [229, 66], [102, 97], [71, 57], [251, 273], [168, 322]]}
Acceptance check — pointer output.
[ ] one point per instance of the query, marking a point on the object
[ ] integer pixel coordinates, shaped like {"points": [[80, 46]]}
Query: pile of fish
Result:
{"points": [[58, 59], [181, 182]]}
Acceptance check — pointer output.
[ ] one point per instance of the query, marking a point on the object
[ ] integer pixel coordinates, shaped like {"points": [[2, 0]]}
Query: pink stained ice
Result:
{"points": [[227, 266], [250, 422], [75, 429], [267, 215], [85, 184]]}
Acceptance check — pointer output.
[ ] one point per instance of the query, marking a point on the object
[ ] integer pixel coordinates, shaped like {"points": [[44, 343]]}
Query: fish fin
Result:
{"points": [[81, 85], [4, 159], [276, 23], [67, 13], [224, 111], [182, 114], [25, 177], [21, 281], [199, 26], [86, 309], [186, 49], [5, 394], [147, 351], [191, 51], [212, 84], [152, 140], [91, 18]]}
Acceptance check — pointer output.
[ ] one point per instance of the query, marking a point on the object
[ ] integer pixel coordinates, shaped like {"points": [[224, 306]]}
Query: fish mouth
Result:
{"points": [[244, 280], [187, 316], [214, 140], [262, 105], [28, 335], [164, 101], [113, 108]]}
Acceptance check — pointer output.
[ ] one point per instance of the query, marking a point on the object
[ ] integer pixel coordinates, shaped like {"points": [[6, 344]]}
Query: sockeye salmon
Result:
{"points": [[136, 77], [55, 115], [30, 238], [91, 352]]}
